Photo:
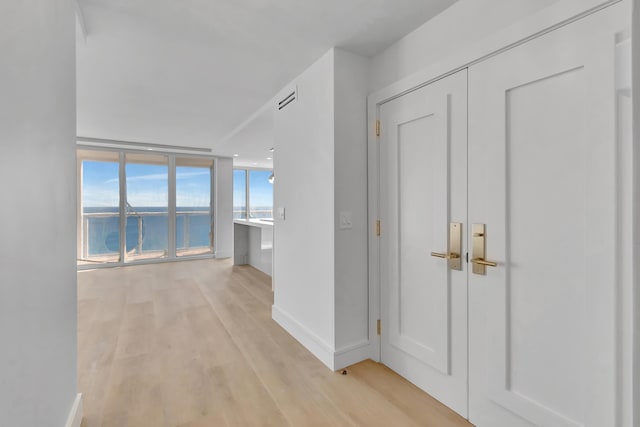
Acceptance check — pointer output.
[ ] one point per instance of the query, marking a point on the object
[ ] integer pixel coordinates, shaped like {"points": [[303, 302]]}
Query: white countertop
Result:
{"points": [[254, 222]]}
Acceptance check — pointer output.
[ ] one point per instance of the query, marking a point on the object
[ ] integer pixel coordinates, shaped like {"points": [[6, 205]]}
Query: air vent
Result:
{"points": [[291, 96]]}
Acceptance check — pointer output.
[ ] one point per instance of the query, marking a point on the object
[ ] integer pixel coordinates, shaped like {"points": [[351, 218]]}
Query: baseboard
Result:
{"points": [[75, 416], [306, 337], [352, 354]]}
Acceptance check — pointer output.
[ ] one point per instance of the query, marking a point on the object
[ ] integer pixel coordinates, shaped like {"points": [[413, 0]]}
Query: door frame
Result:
{"points": [[549, 19]]}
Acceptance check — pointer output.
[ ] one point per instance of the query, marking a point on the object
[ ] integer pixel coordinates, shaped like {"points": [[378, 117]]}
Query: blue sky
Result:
{"points": [[100, 184], [147, 186], [261, 191]]}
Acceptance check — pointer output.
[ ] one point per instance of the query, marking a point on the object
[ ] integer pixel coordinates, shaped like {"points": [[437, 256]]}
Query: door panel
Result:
{"points": [[194, 216], [423, 189], [542, 289], [542, 178], [147, 206], [422, 183], [99, 216]]}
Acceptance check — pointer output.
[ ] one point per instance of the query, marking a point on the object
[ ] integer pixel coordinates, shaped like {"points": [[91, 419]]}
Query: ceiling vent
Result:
{"points": [[291, 96]]}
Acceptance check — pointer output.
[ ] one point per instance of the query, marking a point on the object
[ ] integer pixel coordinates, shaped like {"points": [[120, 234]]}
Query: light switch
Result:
{"points": [[281, 213], [346, 221]]}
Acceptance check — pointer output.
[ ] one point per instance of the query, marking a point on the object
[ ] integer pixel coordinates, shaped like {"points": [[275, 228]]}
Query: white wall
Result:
{"points": [[350, 174], [321, 286], [465, 22], [636, 207], [625, 162], [37, 219], [223, 194], [304, 184]]}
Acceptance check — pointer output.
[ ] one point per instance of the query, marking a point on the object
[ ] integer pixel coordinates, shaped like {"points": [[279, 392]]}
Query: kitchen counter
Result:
{"points": [[253, 244]]}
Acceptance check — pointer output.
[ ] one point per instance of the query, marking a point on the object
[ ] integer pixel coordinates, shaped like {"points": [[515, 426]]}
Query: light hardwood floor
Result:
{"points": [[192, 344]]}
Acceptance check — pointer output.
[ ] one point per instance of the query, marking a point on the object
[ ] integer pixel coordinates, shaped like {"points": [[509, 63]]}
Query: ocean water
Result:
{"points": [[103, 236], [240, 212]]}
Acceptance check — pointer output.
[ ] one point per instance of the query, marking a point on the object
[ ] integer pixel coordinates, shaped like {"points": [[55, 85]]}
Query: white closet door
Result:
{"points": [[542, 177], [423, 189]]}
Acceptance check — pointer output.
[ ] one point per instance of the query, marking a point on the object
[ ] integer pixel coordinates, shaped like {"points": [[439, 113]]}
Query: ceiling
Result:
{"points": [[251, 144], [190, 72]]}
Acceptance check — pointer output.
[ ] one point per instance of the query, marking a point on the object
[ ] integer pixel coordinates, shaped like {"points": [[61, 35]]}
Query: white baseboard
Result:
{"points": [[333, 359], [75, 416], [307, 338], [352, 354]]}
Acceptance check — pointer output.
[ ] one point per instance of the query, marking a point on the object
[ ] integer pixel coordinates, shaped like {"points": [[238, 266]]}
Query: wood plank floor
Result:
{"points": [[192, 344]]}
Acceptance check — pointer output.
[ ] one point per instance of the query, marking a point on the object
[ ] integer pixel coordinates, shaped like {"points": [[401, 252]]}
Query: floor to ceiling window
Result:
{"points": [[99, 225], [194, 235], [252, 194], [260, 194], [239, 194], [147, 206], [140, 207]]}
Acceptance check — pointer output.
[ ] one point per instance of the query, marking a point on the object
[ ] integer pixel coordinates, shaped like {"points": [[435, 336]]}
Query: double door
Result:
{"points": [[498, 272]]}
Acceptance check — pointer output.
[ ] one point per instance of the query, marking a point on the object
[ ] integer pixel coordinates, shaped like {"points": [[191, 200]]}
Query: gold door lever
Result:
{"points": [[455, 247], [484, 262], [480, 264], [445, 256]]}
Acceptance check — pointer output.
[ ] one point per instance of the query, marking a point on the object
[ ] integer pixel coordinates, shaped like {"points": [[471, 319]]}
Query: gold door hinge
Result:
{"points": [[379, 326], [378, 228], [377, 127]]}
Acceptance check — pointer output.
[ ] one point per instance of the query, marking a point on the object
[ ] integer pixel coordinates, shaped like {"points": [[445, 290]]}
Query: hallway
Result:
{"points": [[193, 344]]}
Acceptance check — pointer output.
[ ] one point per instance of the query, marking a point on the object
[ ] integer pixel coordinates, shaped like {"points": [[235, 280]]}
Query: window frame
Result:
{"points": [[247, 178], [246, 191], [172, 156]]}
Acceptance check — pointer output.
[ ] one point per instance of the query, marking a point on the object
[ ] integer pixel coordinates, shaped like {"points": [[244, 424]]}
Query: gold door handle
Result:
{"points": [[484, 262], [479, 263], [455, 247], [445, 256]]}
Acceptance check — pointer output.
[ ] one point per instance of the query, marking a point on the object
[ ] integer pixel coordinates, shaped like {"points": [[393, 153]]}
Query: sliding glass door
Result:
{"points": [[194, 235], [99, 207], [147, 206], [141, 207]]}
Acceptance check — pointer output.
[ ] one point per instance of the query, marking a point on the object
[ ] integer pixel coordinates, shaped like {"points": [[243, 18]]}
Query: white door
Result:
{"points": [[542, 178], [423, 189]]}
